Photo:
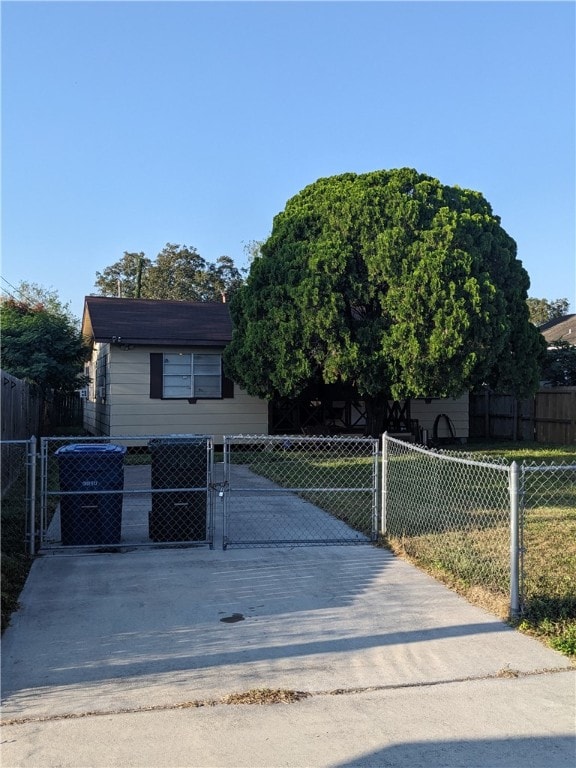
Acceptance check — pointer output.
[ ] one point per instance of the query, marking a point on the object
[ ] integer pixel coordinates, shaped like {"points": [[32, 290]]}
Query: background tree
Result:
{"points": [[542, 310], [388, 281], [34, 294], [42, 346], [178, 272], [222, 279], [125, 278], [253, 249]]}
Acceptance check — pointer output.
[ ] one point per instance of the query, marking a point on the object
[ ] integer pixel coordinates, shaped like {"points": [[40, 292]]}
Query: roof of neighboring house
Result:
{"points": [[151, 321], [561, 328]]}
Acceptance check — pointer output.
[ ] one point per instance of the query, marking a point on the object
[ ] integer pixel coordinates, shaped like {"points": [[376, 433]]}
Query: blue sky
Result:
{"points": [[127, 125]]}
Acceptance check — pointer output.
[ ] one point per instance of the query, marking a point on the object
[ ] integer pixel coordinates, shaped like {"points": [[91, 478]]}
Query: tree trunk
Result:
{"points": [[376, 410]]}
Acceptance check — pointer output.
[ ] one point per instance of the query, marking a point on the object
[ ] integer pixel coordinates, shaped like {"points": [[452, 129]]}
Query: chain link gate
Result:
{"points": [[299, 491], [127, 491]]}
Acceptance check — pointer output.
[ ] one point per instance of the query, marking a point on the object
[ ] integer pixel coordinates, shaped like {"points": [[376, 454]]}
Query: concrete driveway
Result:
{"points": [[127, 659]]}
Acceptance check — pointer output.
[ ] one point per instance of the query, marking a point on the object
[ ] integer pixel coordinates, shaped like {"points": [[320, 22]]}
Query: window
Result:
{"points": [[191, 375], [188, 376]]}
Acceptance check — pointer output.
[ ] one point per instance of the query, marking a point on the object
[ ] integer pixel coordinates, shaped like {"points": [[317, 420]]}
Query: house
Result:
{"points": [[156, 368], [560, 329]]}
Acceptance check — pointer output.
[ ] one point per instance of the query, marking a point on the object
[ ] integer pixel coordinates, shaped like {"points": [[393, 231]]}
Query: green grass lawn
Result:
{"points": [[524, 451]]}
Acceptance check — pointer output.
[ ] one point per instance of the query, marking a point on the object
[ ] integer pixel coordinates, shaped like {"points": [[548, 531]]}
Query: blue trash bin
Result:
{"points": [[90, 516]]}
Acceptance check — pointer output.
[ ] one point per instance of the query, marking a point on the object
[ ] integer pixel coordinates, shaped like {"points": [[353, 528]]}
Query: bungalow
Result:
{"points": [[156, 368]]}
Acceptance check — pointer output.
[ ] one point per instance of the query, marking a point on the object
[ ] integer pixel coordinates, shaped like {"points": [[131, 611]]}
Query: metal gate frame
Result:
{"points": [[330, 530], [49, 489], [286, 447], [15, 455]]}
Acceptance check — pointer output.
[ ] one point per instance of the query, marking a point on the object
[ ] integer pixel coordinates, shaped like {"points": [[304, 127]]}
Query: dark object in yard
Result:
{"points": [[444, 440]]}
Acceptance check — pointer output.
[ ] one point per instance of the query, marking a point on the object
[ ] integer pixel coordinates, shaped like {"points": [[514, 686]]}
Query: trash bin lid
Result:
{"points": [[81, 449], [178, 440]]}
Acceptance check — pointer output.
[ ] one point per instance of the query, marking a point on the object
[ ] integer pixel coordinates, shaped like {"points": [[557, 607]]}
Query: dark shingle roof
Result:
{"points": [[560, 328], [150, 321]]}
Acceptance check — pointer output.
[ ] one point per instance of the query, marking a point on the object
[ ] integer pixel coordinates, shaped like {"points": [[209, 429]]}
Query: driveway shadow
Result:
{"points": [[533, 752]]}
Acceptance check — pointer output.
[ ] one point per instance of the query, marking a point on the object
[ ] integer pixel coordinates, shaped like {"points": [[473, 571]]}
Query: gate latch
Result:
{"points": [[220, 487]]}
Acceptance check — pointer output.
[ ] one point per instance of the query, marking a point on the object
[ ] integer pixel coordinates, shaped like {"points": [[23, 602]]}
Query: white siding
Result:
{"points": [[134, 412], [456, 408], [96, 411]]}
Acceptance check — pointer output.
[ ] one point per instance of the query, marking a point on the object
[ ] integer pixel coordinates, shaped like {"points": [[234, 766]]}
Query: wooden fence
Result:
{"points": [[25, 413], [548, 417], [20, 408]]}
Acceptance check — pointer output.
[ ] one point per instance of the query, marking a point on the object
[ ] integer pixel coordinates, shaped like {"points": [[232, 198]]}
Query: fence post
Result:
{"points": [[32, 496], [514, 540], [384, 489], [44, 488]]}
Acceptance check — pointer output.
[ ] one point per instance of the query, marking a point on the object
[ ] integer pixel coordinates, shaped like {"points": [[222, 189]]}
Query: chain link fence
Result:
{"points": [[297, 491], [126, 490], [501, 534], [451, 513], [548, 541]]}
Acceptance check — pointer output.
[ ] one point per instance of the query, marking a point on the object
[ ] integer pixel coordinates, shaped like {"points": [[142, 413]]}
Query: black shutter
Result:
{"points": [[156, 375], [227, 385]]}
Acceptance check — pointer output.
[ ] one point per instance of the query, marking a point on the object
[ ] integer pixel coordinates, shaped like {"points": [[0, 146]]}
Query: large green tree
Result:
{"points": [[388, 281]]}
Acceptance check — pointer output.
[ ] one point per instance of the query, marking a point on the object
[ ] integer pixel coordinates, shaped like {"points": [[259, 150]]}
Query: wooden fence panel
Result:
{"points": [[24, 414], [555, 415], [526, 425], [548, 417], [20, 408]]}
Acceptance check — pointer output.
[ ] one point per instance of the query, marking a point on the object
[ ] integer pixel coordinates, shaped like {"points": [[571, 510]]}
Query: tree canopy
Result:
{"points": [[388, 281], [42, 344], [124, 277], [34, 294], [178, 272], [542, 310]]}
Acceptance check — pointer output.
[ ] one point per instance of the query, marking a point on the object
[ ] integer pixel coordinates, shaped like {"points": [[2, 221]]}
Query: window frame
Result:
{"points": [[190, 363], [157, 377]]}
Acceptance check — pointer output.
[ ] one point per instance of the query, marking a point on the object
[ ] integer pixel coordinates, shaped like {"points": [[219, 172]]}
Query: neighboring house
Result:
{"points": [[560, 329], [156, 368], [559, 369]]}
